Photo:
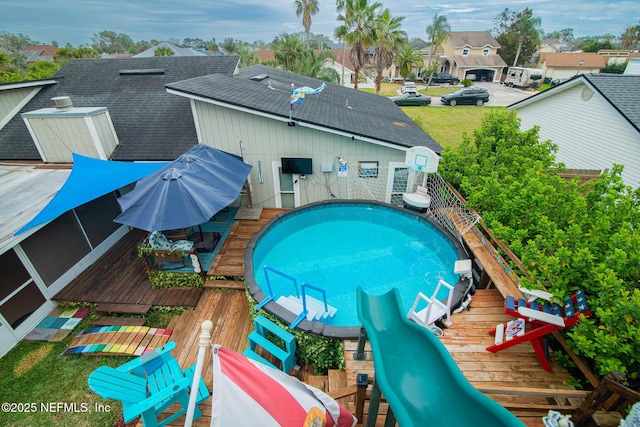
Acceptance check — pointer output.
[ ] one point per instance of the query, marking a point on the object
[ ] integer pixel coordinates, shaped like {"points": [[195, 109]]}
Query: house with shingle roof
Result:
{"points": [[114, 109], [41, 52], [593, 119], [148, 123], [176, 50], [469, 54], [249, 114], [562, 65]]}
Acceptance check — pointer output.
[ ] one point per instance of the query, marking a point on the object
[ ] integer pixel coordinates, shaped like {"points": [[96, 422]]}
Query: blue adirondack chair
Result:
{"points": [[148, 385]]}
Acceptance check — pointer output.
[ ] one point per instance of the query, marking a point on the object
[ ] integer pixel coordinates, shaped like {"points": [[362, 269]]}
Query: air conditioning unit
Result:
{"points": [[61, 102]]}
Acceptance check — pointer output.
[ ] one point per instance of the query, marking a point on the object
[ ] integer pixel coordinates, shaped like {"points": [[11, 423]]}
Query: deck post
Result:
{"points": [[362, 340], [362, 382], [374, 405]]}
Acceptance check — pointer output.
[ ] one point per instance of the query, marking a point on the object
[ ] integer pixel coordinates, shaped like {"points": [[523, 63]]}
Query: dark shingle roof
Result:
{"points": [[336, 108], [151, 124], [622, 91]]}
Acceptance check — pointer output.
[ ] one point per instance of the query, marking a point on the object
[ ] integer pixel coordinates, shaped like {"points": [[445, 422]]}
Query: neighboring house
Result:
{"points": [[39, 53], [177, 51], [554, 45], [568, 64], [633, 67], [593, 119], [121, 110], [339, 122], [469, 55]]}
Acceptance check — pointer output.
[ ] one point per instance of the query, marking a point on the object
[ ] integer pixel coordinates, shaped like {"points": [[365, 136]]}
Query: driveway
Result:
{"points": [[500, 95]]}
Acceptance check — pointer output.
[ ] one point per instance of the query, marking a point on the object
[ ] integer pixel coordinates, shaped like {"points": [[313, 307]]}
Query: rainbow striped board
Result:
{"points": [[118, 341]]}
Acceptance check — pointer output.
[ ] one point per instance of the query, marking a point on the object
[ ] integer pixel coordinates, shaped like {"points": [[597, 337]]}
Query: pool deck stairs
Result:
{"points": [[315, 308]]}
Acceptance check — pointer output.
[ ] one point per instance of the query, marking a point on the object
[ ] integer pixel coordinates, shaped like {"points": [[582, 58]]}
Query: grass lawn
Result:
{"points": [[39, 383], [445, 124]]}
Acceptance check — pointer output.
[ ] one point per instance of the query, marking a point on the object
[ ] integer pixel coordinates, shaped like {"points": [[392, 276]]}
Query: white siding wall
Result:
{"points": [[589, 134], [105, 132], [11, 101], [57, 138], [263, 139]]}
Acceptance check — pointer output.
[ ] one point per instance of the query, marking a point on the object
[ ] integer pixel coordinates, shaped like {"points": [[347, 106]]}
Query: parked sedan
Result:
{"points": [[468, 95], [411, 98]]}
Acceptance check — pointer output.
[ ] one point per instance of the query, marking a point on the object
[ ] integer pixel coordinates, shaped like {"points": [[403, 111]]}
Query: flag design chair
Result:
{"points": [[541, 319]]}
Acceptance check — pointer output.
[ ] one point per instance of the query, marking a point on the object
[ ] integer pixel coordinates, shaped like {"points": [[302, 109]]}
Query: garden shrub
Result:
{"points": [[569, 236]]}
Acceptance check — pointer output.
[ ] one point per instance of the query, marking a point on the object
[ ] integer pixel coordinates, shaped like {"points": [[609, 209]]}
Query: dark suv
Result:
{"points": [[468, 95], [439, 78]]}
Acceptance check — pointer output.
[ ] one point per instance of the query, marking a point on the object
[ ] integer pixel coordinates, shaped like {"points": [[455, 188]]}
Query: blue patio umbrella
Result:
{"points": [[186, 192]]}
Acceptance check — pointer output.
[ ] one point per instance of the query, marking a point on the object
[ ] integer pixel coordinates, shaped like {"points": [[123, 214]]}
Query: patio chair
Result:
{"points": [[541, 319], [148, 385], [166, 254]]}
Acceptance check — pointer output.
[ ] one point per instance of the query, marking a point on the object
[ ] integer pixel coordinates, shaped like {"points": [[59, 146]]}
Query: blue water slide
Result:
{"points": [[416, 373]]}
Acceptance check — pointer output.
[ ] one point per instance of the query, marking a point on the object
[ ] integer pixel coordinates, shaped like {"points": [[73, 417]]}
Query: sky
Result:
{"points": [[76, 21]]}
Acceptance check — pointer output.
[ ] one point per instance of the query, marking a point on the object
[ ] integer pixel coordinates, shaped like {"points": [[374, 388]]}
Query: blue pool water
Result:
{"points": [[338, 246]]}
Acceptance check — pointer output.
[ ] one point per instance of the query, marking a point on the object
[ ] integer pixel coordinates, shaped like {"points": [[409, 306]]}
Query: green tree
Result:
{"points": [[288, 50], [596, 43], [518, 34], [569, 235], [407, 59], [630, 38], [247, 56], [306, 9], [565, 34], [112, 42], [614, 68], [66, 53], [437, 33], [230, 45], [314, 66], [42, 70], [14, 43], [163, 51], [388, 38], [356, 29]]}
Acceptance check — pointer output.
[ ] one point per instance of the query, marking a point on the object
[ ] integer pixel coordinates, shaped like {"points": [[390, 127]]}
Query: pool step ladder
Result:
{"points": [[434, 310], [265, 332], [316, 310]]}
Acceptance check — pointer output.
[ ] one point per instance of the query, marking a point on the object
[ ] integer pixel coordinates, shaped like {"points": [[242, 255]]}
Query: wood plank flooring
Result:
{"points": [[119, 277], [466, 340]]}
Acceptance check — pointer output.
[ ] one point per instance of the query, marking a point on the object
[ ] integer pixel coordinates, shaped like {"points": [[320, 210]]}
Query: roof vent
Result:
{"points": [[259, 77], [61, 103]]}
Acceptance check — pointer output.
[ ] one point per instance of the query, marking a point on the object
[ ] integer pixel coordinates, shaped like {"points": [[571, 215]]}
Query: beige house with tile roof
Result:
{"points": [[558, 65], [469, 54]]}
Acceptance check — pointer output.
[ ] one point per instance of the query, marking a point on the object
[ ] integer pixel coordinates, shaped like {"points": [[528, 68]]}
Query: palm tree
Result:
{"points": [[314, 66], [306, 8], [437, 32], [407, 59], [357, 30], [247, 56], [163, 51], [527, 29], [288, 50], [388, 40]]}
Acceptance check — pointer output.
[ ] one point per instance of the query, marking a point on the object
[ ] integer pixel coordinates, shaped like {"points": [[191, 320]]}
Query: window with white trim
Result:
{"points": [[465, 51], [485, 51]]}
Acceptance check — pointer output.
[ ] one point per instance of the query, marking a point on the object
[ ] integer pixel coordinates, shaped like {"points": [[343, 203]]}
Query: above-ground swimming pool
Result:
{"points": [[337, 246]]}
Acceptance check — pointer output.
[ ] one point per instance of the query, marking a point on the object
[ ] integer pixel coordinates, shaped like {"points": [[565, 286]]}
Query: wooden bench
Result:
{"points": [[259, 337]]}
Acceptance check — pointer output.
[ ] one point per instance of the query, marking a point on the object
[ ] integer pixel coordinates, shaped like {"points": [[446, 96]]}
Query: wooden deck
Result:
{"points": [[119, 277], [230, 259], [466, 340]]}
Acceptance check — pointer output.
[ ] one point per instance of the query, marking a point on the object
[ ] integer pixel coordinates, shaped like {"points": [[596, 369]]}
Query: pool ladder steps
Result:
{"points": [[315, 308], [435, 309]]}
